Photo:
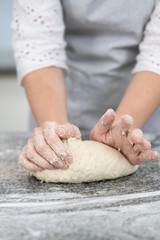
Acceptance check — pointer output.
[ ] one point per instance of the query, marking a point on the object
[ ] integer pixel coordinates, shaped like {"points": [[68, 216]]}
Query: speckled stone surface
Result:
{"points": [[125, 208]]}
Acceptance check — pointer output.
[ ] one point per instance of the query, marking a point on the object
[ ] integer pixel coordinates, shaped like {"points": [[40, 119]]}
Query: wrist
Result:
{"points": [[59, 120]]}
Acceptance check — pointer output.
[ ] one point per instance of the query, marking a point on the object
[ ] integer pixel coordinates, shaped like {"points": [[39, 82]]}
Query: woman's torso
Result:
{"points": [[102, 43]]}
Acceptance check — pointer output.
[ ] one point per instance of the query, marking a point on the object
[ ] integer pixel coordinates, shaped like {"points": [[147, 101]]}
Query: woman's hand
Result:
{"points": [[123, 137], [45, 150]]}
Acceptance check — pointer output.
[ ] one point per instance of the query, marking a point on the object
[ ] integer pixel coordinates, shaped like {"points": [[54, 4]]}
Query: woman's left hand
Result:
{"points": [[123, 137]]}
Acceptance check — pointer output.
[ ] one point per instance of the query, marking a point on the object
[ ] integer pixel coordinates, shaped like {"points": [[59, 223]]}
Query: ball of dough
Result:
{"points": [[92, 161]]}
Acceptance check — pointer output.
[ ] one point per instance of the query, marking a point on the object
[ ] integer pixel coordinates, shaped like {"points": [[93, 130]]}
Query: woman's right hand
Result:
{"points": [[45, 150]]}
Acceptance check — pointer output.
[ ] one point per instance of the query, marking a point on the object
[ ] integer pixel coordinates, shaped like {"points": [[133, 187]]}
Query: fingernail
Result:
{"points": [[65, 167], [156, 154], [127, 119]]}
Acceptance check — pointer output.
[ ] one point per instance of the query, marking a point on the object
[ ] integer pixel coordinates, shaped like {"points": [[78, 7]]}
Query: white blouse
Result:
{"points": [[38, 38]]}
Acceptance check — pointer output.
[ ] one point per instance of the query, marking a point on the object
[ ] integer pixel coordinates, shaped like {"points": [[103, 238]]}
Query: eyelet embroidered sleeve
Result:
{"points": [[38, 35], [148, 58]]}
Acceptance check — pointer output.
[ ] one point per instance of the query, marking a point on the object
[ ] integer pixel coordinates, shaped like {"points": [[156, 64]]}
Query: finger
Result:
{"points": [[45, 151], [68, 130], [105, 122], [143, 146], [146, 145], [147, 155], [23, 161], [135, 136], [125, 123], [56, 144], [34, 157]]}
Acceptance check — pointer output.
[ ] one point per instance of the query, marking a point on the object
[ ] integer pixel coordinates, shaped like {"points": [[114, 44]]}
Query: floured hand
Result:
{"points": [[122, 137], [45, 150]]}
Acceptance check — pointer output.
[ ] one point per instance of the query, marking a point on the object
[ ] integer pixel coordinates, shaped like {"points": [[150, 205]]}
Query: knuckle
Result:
{"points": [[29, 153], [45, 124], [49, 130], [48, 124]]}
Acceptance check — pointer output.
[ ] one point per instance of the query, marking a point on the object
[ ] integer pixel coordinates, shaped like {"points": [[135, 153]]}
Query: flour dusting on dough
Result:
{"points": [[92, 161]]}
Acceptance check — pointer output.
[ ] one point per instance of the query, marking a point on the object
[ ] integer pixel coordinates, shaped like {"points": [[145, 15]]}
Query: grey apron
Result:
{"points": [[102, 44]]}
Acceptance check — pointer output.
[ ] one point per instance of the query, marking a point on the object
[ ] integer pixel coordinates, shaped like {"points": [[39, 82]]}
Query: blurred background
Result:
{"points": [[13, 103]]}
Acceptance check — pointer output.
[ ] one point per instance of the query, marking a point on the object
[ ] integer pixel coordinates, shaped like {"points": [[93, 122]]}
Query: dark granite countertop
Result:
{"points": [[125, 208]]}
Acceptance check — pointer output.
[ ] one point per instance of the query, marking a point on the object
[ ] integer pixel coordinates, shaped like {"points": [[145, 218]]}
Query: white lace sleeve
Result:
{"points": [[148, 58], [38, 35]]}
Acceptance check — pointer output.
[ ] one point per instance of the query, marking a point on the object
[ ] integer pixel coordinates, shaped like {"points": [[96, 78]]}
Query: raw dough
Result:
{"points": [[92, 161]]}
